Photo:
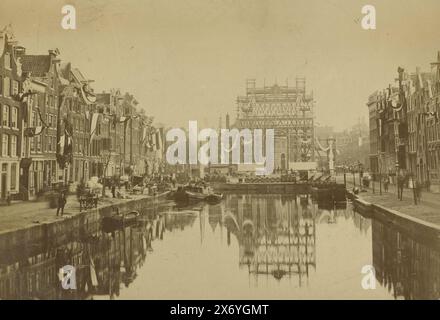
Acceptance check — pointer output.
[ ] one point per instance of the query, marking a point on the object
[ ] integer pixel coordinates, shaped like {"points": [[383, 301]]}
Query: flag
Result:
{"points": [[158, 140], [94, 124], [68, 144], [429, 88], [61, 144], [37, 130], [33, 131], [411, 87], [64, 144], [87, 94], [419, 76], [144, 134], [152, 140]]}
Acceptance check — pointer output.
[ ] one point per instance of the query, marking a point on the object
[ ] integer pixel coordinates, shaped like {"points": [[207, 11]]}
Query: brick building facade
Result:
{"points": [[55, 129]]}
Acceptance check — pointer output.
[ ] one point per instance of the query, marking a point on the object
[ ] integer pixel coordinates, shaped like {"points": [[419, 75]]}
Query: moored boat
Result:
{"points": [[118, 221], [196, 193]]}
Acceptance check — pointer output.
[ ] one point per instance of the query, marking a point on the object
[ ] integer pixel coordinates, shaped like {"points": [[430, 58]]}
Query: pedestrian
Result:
{"points": [[61, 202], [418, 190], [400, 184], [386, 183], [114, 189]]}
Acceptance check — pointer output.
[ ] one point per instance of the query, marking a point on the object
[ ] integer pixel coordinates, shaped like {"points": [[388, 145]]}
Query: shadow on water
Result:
{"points": [[276, 237]]}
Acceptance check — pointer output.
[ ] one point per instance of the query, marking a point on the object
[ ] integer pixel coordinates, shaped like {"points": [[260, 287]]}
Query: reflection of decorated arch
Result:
{"points": [[275, 236]]}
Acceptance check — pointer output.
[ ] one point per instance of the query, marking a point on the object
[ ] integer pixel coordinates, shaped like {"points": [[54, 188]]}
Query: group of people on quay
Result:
{"points": [[88, 193]]}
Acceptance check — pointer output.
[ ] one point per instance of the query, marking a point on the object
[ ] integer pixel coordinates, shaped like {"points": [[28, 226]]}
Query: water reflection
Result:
{"points": [[272, 241], [103, 261], [409, 269], [300, 250]]}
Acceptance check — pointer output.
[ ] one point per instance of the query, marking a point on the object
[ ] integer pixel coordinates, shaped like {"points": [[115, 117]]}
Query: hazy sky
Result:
{"points": [[188, 59]]}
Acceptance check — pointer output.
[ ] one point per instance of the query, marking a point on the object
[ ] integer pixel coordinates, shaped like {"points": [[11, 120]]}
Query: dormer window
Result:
{"points": [[14, 88]]}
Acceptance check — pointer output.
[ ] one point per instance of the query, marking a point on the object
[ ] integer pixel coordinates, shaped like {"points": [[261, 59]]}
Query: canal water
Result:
{"points": [[246, 247]]}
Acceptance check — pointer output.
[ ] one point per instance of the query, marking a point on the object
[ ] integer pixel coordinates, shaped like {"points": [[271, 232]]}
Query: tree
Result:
{"points": [[105, 159]]}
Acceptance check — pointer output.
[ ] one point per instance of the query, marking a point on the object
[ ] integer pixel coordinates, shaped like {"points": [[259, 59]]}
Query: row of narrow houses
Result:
{"points": [[405, 127], [55, 129]]}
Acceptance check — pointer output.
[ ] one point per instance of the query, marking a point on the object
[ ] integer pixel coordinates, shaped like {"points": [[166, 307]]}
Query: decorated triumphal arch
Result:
{"points": [[289, 111]]}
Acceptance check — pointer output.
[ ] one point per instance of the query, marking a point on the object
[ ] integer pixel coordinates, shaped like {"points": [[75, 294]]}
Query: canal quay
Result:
{"points": [[248, 246]]}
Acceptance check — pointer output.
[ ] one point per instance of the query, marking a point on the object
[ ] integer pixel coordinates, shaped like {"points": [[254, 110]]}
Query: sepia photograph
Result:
{"points": [[213, 150]]}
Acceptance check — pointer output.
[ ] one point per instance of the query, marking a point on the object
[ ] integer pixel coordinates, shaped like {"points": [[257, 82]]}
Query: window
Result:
{"points": [[5, 144], [14, 88], [38, 143], [34, 119], [5, 116], [7, 58], [13, 150], [6, 87], [49, 143], [14, 117], [80, 145]]}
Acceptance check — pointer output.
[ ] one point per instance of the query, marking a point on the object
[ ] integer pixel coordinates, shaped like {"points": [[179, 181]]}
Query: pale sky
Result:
{"points": [[189, 59]]}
